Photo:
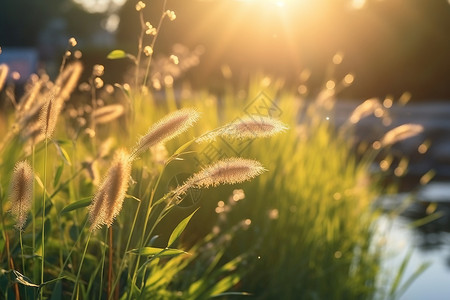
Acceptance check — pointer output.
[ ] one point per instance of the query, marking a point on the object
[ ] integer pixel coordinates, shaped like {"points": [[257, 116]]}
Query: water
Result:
{"points": [[430, 244]]}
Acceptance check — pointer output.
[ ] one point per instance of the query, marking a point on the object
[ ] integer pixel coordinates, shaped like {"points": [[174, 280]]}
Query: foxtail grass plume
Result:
{"points": [[108, 199], [21, 192], [400, 133], [4, 69], [29, 99], [365, 109], [227, 171], [247, 128], [108, 113], [68, 79], [165, 129], [49, 115]]}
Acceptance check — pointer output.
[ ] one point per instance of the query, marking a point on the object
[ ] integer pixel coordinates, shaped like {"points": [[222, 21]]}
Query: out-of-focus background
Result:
{"points": [[391, 46]]}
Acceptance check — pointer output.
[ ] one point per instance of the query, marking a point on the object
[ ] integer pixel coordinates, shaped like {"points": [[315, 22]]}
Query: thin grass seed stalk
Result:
{"points": [[21, 192], [165, 129], [109, 197]]}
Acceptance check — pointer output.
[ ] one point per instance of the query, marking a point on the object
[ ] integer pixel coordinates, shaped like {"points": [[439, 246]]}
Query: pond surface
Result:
{"points": [[429, 243]]}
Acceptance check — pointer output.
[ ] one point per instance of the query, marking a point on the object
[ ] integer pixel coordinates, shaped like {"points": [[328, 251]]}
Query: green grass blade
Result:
{"points": [[180, 228], [76, 205]]}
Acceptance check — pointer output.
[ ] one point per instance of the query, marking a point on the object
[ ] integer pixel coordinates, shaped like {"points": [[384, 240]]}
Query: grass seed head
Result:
{"points": [[165, 129], [4, 69], [68, 79], [21, 192], [108, 113], [249, 127], [400, 133], [227, 171], [49, 114], [363, 110], [108, 200]]}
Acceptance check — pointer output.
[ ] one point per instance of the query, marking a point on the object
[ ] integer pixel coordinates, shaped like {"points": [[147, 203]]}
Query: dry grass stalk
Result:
{"points": [[108, 113], [109, 197], [21, 192], [165, 129], [400, 133], [227, 171], [4, 69]]}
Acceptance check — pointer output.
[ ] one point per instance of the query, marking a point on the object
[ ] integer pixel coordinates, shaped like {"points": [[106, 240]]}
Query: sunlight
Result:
{"points": [[279, 3], [100, 6]]}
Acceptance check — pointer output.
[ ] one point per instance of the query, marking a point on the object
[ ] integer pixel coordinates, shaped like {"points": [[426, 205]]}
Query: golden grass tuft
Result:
{"points": [[108, 199], [21, 192], [165, 129]]}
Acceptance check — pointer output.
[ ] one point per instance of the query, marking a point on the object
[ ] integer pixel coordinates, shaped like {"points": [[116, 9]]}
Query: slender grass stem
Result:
{"points": [[110, 261], [122, 263], [149, 60], [103, 267], [44, 194], [140, 47], [74, 292], [141, 240], [33, 214]]}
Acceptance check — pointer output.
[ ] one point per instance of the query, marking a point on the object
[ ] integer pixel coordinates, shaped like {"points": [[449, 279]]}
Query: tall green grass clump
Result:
{"points": [[312, 221]]}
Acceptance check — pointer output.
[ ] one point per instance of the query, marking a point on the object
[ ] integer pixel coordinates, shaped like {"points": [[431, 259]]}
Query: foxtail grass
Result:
{"points": [[108, 113], [4, 69], [247, 127], [21, 193], [227, 171], [400, 133], [107, 202], [167, 128]]}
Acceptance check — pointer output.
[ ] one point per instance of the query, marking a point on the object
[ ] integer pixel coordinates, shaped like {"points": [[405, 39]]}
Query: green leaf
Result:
{"points": [[63, 153], [76, 205], [153, 251], [183, 147], [117, 54], [180, 228], [58, 174], [225, 284], [226, 294]]}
